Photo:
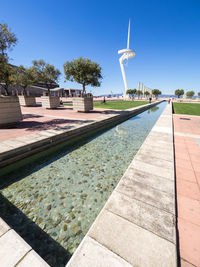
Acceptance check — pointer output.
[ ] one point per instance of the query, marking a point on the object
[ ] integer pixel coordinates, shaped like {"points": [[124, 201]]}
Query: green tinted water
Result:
{"points": [[52, 203]]}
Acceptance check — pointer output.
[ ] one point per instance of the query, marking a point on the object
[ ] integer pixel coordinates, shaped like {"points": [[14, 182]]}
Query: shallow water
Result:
{"points": [[58, 200]]}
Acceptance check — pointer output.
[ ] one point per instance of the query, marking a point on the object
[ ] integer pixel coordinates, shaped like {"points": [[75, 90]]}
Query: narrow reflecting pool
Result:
{"points": [[51, 202]]}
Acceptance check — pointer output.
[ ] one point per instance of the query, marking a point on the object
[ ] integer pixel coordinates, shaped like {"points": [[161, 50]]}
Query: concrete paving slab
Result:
{"points": [[153, 181], [32, 259], [155, 161], [146, 194], [159, 141], [4, 227], [91, 253], [14, 143], [168, 136], [141, 248], [13, 248], [47, 133], [156, 153], [161, 145], [161, 129], [165, 173], [158, 149], [5, 148], [144, 215]]}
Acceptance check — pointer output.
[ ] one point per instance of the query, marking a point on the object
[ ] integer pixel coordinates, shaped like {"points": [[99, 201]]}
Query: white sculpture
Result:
{"points": [[127, 53]]}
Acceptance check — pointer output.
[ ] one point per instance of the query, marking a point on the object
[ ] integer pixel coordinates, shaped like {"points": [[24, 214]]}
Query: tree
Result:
{"points": [[156, 92], [7, 41], [146, 93], [131, 91], [179, 92], [24, 77], [83, 71], [45, 73], [6, 73], [190, 93], [198, 93]]}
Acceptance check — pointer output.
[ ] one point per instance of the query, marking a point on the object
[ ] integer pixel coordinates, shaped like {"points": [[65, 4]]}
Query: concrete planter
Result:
{"points": [[50, 102], [10, 111], [83, 104], [27, 101]]}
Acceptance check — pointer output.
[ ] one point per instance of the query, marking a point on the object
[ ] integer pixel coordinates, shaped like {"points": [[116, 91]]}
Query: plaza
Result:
{"points": [[99, 134]]}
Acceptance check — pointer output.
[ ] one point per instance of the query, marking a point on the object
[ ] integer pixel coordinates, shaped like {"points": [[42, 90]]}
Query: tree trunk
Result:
{"points": [[24, 90], [83, 88], [6, 89]]}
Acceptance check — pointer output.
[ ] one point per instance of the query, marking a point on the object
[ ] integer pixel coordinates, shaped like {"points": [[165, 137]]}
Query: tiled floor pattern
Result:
{"points": [[187, 156], [36, 119]]}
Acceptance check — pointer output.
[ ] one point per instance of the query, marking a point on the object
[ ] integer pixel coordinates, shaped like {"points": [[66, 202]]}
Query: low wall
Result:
{"points": [[137, 226], [27, 101], [10, 111], [19, 148], [83, 104], [50, 102]]}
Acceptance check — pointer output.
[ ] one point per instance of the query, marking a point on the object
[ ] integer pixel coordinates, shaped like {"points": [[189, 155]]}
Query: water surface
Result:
{"points": [[53, 203]]}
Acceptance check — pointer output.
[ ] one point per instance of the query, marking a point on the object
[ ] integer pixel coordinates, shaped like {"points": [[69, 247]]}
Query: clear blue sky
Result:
{"points": [[165, 35]]}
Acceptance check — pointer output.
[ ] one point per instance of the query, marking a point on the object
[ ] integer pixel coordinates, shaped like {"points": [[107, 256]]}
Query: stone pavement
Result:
{"points": [[187, 158], [36, 119], [14, 251], [137, 226]]}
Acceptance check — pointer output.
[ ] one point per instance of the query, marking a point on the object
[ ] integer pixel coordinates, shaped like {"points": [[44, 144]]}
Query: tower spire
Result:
{"points": [[126, 54], [128, 40]]}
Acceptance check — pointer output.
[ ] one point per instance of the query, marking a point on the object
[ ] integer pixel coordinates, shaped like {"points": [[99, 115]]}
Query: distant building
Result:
{"points": [[40, 89]]}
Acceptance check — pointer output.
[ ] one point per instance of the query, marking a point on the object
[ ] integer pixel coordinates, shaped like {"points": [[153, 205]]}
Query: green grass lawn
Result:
{"points": [[121, 105], [68, 104], [187, 108]]}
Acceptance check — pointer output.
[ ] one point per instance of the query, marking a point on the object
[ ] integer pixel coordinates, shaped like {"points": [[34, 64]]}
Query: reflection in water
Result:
{"points": [[63, 195], [154, 109], [120, 131]]}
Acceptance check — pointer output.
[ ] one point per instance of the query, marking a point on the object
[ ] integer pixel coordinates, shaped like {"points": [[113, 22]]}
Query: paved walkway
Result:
{"points": [[187, 156], [36, 119]]}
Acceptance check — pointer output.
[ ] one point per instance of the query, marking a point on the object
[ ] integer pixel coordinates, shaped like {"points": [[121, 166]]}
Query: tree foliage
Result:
{"points": [[131, 91], [179, 92], [6, 74], [198, 93], [24, 77], [83, 71], [190, 93], [146, 93], [7, 41], [156, 92], [45, 73]]}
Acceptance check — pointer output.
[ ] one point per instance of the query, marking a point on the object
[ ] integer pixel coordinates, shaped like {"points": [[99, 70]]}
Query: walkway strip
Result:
{"points": [[187, 156], [137, 226], [15, 251]]}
